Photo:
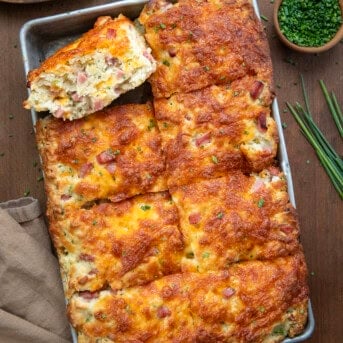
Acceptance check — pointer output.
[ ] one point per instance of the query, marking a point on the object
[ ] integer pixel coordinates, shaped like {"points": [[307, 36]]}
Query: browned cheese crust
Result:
{"points": [[118, 244], [113, 154], [250, 302], [210, 132], [202, 43], [236, 218]]}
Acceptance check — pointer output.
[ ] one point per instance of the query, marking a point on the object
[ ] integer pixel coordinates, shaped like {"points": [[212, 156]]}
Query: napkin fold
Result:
{"points": [[32, 304]]}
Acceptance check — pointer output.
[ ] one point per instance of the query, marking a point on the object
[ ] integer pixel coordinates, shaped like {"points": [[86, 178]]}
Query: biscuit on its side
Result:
{"points": [[88, 74]]}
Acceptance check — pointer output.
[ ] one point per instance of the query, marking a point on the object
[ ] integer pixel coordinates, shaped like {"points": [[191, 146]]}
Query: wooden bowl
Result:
{"points": [[311, 50]]}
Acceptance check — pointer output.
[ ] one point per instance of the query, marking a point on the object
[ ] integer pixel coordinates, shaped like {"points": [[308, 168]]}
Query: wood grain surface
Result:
{"points": [[319, 207]]}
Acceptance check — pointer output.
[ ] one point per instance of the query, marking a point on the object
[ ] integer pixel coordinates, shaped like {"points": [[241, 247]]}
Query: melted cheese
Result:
{"points": [[229, 306], [210, 132], [71, 152], [201, 43], [235, 218], [118, 244]]}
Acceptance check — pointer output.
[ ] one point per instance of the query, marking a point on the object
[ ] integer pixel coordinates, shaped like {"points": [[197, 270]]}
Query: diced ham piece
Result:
{"points": [[112, 336], [86, 257], [93, 271], [194, 218], [102, 208], [65, 197], [206, 138], [274, 171], [262, 122], [85, 169], [172, 52], [228, 292], [256, 89], [89, 295], [81, 77], [111, 168], [147, 55], [163, 312], [258, 184], [76, 97], [111, 33], [59, 113], [83, 280], [98, 105], [112, 61], [120, 74], [105, 157], [286, 229]]}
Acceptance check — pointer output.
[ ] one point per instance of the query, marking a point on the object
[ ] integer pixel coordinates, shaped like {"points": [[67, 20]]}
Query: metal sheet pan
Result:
{"points": [[41, 37]]}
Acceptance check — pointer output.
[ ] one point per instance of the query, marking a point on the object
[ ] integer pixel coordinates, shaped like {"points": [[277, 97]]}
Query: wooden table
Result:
{"points": [[320, 209]]}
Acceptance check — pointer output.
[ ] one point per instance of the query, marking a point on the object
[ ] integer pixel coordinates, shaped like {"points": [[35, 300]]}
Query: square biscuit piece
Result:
{"points": [[254, 301], [122, 244], [112, 154], [208, 132], [202, 43], [251, 302], [236, 218], [88, 74]]}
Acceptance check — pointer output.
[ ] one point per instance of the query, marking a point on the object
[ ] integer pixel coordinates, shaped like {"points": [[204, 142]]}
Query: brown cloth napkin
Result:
{"points": [[32, 305]]}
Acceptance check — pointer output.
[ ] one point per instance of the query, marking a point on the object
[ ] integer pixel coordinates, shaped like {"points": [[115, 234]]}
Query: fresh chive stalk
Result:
{"points": [[328, 157], [334, 108], [337, 108]]}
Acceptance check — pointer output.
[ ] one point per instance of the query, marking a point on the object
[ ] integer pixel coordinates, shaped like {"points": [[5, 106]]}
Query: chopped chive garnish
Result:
{"points": [[260, 203], [152, 124], [214, 159], [220, 215], [26, 193], [145, 207], [206, 255], [308, 22], [263, 17], [166, 63]]}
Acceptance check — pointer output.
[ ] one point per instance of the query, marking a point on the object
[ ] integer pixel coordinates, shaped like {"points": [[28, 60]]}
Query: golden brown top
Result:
{"points": [[236, 218], [112, 154], [118, 244], [251, 302], [210, 132], [202, 43]]}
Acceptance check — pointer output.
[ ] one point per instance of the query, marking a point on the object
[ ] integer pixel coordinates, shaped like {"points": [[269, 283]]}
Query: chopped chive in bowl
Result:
{"points": [[309, 23]]}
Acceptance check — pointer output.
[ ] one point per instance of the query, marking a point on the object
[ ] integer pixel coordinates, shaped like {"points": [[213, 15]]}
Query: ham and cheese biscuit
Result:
{"points": [[236, 218], [157, 312], [88, 74], [112, 154], [208, 132], [202, 43], [251, 302], [118, 244]]}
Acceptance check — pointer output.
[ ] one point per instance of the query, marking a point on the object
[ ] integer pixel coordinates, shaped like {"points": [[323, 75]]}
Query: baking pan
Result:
{"points": [[41, 37]]}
